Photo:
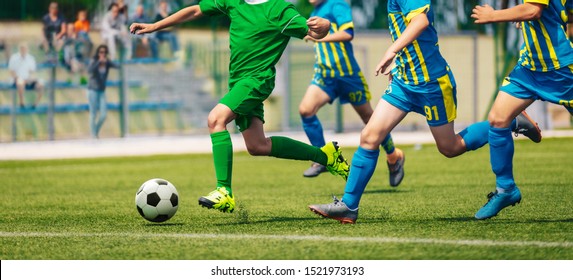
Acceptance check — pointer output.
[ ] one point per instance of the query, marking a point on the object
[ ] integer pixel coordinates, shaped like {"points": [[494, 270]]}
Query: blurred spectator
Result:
{"points": [[114, 30], [54, 28], [147, 40], [71, 54], [4, 48], [98, 71], [82, 24], [82, 28], [22, 67], [123, 10], [166, 34]]}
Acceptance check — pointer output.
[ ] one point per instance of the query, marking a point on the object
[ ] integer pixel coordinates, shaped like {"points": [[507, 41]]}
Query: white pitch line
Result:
{"points": [[477, 242]]}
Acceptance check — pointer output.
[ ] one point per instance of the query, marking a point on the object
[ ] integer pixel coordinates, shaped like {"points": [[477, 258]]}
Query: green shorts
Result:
{"points": [[246, 98]]}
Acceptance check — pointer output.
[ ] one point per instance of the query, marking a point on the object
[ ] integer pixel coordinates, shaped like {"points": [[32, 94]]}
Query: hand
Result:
{"points": [[383, 66], [318, 27], [518, 25], [308, 38], [482, 14], [142, 28]]}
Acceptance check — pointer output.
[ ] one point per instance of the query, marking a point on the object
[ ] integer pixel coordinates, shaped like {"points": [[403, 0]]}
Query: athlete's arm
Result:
{"points": [[339, 36], [318, 27], [417, 25], [522, 12], [186, 14]]}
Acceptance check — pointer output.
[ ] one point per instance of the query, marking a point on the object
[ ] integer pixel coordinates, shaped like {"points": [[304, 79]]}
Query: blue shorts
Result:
{"points": [[350, 89], [553, 86], [435, 99]]}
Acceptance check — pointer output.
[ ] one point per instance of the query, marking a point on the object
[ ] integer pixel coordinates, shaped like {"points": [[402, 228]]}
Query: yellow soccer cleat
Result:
{"points": [[337, 164], [218, 199]]}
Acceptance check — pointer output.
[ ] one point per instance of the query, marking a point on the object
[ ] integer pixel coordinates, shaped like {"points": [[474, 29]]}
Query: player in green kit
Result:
{"points": [[259, 33]]}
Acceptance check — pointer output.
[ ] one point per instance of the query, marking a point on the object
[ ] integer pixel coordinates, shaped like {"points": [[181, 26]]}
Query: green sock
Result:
{"points": [[388, 144], [223, 158], [284, 147]]}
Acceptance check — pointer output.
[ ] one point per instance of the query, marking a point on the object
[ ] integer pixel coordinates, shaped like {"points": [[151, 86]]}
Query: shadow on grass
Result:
{"points": [[503, 220], [456, 219], [165, 225], [269, 220], [387, 191], [569, 220]]}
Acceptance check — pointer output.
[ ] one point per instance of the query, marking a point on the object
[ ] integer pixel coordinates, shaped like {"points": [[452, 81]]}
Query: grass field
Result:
{"points": [[84, 209]]}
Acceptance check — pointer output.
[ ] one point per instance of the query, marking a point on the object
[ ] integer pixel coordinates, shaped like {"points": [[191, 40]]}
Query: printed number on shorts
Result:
{"points": [[355, 96], [429, 111]]}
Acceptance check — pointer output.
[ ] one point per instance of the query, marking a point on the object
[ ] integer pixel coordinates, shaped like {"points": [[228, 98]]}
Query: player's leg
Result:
{"points": [[222, 197], [517, 92], [283, 147], [316, 97], [448, 142], [244, 105], [385, 117], [395, 157], [505, 108], [246, 101], [472, 137], [354, 90], [476, 136], [439, 104]]}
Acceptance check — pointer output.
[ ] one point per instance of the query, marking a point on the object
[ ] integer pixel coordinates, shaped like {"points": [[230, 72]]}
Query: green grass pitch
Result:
{"points": [[84, 209]]}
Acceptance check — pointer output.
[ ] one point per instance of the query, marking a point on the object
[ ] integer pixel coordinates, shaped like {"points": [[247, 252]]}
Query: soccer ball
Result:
{"points": [[157, 200]]}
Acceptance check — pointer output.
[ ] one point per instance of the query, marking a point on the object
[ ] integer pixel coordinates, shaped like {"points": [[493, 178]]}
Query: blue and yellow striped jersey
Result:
{"points": [[335, 59], [420, 61], [546, 45]]}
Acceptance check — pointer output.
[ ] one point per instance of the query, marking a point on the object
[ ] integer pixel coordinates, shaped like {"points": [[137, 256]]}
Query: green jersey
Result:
{"points": [[259, 33]]}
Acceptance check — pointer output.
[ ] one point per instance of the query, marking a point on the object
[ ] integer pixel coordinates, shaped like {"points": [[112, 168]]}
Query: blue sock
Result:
{"points": [[501, 157], [513, 124], [388, 144], [361, 170], [313, 129], [475, 135]]}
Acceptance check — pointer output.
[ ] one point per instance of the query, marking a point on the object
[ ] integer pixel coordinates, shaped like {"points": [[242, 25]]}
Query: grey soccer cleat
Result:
{"points": [[336, 210], [528, 127], [396, 170], [314, 170]]}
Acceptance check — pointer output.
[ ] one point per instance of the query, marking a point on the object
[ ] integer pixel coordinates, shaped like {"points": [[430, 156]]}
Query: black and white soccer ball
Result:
{"points": [[157, 200]]}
